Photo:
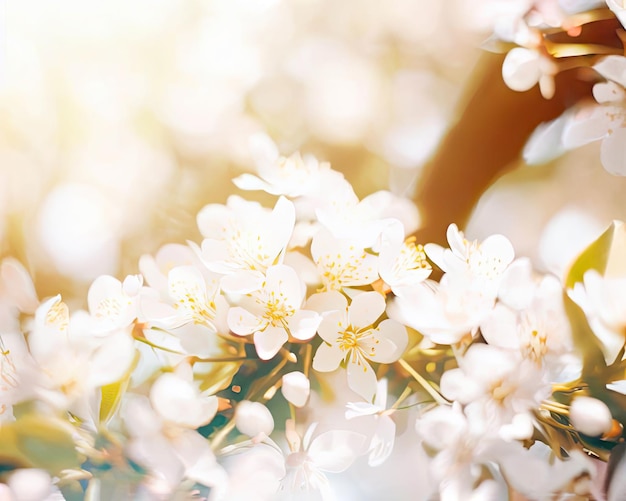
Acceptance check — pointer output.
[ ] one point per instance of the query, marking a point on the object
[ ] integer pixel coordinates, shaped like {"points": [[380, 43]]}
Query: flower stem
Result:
{"points": [[261, 388], [423, 382]]}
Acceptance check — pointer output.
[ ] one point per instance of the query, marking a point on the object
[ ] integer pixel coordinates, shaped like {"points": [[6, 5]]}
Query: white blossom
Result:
{"points": [[602, 300], [350, 338], [342, 262], [243, 239], [495, 385], [273, 313]]}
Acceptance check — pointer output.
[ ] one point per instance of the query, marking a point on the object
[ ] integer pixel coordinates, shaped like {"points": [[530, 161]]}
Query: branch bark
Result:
{"points": [[494, 124]]}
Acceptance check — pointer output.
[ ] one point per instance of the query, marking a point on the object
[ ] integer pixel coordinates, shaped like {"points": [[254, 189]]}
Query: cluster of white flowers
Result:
{"points": [[168, 383], [551, 36]]}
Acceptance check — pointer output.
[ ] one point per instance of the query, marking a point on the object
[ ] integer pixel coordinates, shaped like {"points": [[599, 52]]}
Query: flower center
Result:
{"points": [[277, 309]]}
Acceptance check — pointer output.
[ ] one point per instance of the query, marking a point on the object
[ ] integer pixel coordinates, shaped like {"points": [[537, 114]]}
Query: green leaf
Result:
{"points": [[39, 441], [585, 340], [606, 255], [111, 399], [111, 394]]}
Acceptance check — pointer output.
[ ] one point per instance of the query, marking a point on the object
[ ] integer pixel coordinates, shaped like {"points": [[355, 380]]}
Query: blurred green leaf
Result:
{"points": [[219, 376], [111, 399], [585, 340], [606, 255], [39, 441]]}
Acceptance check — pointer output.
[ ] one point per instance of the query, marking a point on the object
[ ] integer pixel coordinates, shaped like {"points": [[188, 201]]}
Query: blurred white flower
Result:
{"points": [[311, 457], [539, 330], [73, 362], [495, 385], [449, 310], [604, 121], [30, 484], [177, 399], [292, 176], [169, 452], [383, 438], [602, 300], [458, 449], [243, 239], [113, 303], [401, 262], [17, 294], [342, 262]]}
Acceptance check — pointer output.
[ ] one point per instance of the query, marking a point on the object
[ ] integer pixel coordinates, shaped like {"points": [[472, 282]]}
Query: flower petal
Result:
{"points": [[334, 451], [331, 325], [391, 341], [382, 442], [242, 322], [269, 341], [327, 358], [613, 152], [303, 324], [366, 308], [361, 378]]}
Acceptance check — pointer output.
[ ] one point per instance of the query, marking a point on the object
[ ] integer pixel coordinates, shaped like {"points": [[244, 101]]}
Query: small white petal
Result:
{"points": [[17, 280], [242, 282], [455, 385], [613, 67], [589, 124], [242, 322], [381, 446], [327, 358], [362, 379], [331, 325], [613, 152], [366, 308], [269, 341], [392, 341], [325, 302], [546, 142], [250, 182], [303, 324], [334, 451], [178, 401]]}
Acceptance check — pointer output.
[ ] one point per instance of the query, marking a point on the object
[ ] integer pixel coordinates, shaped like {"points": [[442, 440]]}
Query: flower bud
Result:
{"points": [[296, 388], [253, 418], [590, 416], [521, 69]]}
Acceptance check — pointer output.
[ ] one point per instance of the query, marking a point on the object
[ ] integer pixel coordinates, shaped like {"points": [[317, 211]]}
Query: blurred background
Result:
{"points": [[120, 120]]}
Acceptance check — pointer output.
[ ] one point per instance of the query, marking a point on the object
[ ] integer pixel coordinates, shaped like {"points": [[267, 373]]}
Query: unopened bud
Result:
{"points": [[590, 416], [296, 388], [253, 418]]}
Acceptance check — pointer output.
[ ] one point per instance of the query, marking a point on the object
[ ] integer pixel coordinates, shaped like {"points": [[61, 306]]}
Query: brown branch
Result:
{"points": [[493, 127]]}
